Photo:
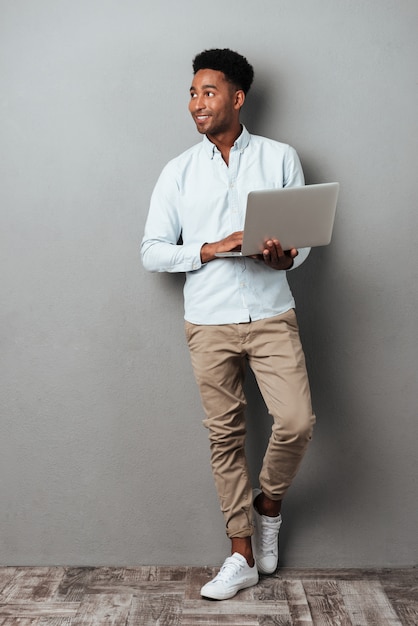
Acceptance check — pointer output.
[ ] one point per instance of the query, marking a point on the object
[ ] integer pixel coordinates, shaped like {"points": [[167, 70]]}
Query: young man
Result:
{"points": [[237, 310]]}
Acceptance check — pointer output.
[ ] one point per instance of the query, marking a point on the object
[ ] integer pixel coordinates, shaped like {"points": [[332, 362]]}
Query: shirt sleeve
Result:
{"points": [[293, 177], [160, 248]]}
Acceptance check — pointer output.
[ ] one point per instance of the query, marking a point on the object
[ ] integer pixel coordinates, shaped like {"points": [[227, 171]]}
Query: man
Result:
{"points": [[237, 310]]}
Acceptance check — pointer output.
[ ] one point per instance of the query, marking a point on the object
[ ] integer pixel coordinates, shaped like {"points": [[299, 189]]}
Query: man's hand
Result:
{"points": [[232, 242], [275, 257]]}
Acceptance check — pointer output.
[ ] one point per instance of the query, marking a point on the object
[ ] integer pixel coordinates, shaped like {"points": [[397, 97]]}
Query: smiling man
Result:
{"points": [[214, 103], [238, 311]]}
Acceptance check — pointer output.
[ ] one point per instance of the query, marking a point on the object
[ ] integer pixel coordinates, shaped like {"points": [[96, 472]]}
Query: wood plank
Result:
{"points": [[34, 583], [103, 610], [55, 621], [6, 575], [38, 609], [298, 603], [270, 588], [235, 606], [326, 603], [173, 573], [108, 574], [278, 620], [155, 587], [153, 574], [408, 615], [367, 603], [23, 621], [219, 620], [401, 589], [151, 609], [73, 584], [142, 574]]}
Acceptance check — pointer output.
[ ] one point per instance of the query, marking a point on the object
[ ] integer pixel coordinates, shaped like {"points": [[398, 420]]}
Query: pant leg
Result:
{"points": [[219, 363], [276, 357]]}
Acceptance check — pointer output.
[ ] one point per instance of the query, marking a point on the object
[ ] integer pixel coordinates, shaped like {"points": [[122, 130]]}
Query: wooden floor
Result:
{"points": [[167, 596]]}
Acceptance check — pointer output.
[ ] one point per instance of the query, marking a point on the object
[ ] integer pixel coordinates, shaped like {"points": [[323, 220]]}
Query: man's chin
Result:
{"points": [[201, 129]]}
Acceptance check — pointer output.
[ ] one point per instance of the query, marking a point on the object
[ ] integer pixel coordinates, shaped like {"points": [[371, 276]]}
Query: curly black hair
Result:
{"points": [[236, 68]]}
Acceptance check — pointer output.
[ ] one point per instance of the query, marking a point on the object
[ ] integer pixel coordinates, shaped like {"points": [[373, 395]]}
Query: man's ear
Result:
{"points": [[239, 99]]}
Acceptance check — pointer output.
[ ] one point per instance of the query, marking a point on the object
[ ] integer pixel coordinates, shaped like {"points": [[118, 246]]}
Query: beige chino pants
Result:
{"points": [[219, 357]]}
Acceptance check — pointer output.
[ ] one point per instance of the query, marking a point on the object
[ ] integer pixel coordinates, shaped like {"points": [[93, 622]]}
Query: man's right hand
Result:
{"points": [[232, 242]]}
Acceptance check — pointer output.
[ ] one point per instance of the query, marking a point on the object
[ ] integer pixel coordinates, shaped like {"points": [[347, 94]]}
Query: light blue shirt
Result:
{"points": [[200, 199]]}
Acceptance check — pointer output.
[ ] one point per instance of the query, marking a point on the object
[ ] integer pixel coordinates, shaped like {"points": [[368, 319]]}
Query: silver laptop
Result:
{"points": [[299, 217]]}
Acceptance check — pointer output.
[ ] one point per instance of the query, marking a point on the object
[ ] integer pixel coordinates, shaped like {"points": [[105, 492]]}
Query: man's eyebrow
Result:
{"points": [[204, 87]]}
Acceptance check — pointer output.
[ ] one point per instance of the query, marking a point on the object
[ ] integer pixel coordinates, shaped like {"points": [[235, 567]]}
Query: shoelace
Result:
{"points": [[269, 535], [229, 569]]}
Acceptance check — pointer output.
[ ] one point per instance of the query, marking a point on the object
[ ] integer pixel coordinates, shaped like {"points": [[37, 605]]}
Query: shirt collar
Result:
{"points": [[240, 144]]}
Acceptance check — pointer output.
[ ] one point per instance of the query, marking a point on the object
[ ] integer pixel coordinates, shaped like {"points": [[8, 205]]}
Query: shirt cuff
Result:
{"points": [[192, 257]]}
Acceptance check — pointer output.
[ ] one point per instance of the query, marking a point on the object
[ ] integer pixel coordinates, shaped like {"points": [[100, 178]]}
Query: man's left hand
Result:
{"points": [[275, 257]]}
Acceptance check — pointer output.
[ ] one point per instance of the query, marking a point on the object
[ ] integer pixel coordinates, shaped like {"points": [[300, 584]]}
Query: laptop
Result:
{"points": [[299, 217]]}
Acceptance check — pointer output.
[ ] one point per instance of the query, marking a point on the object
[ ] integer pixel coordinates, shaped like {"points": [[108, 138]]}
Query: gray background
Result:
{"points": [[103, 458]]}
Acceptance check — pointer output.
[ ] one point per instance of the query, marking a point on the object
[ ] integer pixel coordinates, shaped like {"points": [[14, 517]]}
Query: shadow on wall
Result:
{"points": [[319, 292], [335, 463], [257, 108]]}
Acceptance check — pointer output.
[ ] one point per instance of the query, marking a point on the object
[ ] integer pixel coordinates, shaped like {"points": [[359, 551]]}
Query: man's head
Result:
{"points": [[221, 80], [234, 66]]}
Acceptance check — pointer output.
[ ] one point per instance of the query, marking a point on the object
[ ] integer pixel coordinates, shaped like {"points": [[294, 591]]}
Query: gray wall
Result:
{"points": [[103, 458]]}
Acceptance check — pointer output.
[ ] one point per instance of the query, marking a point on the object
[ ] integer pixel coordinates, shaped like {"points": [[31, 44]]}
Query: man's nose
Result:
{"points": [[198, 102]]}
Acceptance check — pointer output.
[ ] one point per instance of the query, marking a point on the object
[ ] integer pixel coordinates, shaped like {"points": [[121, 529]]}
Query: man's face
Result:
{"points": [[214, 104]]}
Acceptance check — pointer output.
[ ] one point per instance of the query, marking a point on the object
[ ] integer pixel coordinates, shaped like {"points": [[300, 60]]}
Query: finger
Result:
{"points": [[266, 256], [278, 248], [275, 252], [269, 252]]}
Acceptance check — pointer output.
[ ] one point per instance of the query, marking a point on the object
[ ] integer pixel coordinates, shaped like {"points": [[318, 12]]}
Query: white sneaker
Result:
{"points": [[235, 574], [265, 540]]}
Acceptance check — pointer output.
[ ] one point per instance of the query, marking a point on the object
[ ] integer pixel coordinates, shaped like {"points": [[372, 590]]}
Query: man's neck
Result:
{"points": [[225, 141]]}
